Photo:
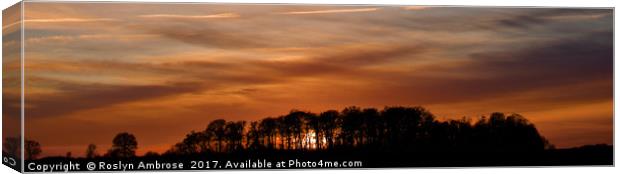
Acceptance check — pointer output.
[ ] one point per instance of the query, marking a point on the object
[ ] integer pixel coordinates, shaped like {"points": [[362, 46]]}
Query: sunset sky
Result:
{"points": [[161, 70]]}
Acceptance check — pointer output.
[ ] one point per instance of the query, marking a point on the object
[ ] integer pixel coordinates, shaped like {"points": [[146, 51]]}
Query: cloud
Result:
{"points": [[56, 39], [175, 16], [415, 7], [355, 10], [581, 57], [73, 97], [564, 62], [539, 17], [483, 75], [63, 20], [490, 74], [200, 76], [521, 21], [11, 25], [210, 37], [339, 61], [11, 16], [11, 103]]}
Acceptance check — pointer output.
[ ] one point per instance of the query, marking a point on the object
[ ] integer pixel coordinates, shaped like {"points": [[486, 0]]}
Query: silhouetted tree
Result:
{"points": [[293, 122], [372, 126], [91, 151], [193, 142], [283, 131], [218, 128], [507, 133], [269, 128], [253, 137], [204, 140], [312, 123], [32, 149], [179, 149], [328, 123], [351, 126], [306, 129], [234, 135], [404, 125], [124, 145]]}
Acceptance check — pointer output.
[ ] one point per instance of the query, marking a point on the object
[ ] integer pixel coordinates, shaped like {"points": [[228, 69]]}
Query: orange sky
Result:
{"points": [[162, 70]]}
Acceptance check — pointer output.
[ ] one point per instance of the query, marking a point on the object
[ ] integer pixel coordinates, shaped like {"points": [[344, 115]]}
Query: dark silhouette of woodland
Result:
{"points": [[400, 129], [392, 137]]}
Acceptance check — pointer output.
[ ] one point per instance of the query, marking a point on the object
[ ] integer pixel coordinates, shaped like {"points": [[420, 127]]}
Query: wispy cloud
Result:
{"points": [[11, 24], [57, 20], [61, 20], [542, 18], [578, 17], [55, 39], [415, 7], [106, 95], [331, 11], [175, 16]]}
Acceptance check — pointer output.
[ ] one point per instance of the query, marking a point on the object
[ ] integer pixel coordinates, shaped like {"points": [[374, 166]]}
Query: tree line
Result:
{"points": [[404, 129]]}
